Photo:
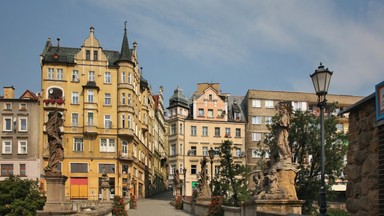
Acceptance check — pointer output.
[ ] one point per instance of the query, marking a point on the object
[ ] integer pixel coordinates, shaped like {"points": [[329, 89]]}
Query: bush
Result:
{"points": [[119, 207], [133, 202], [336, 212], [214, 208], [179, 202]]}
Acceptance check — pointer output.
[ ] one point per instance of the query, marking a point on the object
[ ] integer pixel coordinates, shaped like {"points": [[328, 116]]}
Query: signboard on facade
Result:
{"points": [[380, 101]]}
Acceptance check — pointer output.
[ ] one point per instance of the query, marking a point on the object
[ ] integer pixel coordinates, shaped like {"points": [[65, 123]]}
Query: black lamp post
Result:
{"points": [[185, 181], [321, 79], [211, 153]]}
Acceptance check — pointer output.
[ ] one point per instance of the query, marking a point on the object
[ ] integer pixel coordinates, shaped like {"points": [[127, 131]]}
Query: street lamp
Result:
{"points": [[321, 79], [211, 153]]}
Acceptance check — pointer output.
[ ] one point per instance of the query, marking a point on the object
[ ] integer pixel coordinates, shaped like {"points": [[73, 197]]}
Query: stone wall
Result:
{"points": [[363, 161]]}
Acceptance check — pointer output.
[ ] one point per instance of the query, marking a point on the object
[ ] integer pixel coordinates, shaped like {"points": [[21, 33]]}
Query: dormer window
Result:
{"points": [[210, 97], [87, 55], [95, 55]]}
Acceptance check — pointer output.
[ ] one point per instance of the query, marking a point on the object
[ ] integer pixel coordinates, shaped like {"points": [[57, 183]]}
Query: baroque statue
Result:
{"points": [[56, 150], [204, 190]]}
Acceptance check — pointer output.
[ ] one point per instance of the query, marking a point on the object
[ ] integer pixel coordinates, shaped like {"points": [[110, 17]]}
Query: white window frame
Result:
{"points": [[107, 99], [107, 121], [205, 150], [173, 150], [90, 119], [90, 97], [22, 147], [108, 146], [256, 103], [193, 130], [91, 76], [205, 131], [269, 104], [7, 147], [60, 74], [75, 76], [124, 148], [210, 113], [256, 136], [75, 121], [123, 77], [23, 106], [78, 144], [107, 77], [8, 106], [256, 120], [51, 73], [75, 97], [123, 98], [22, 127], [268, 120], [129, 78], [5, 119]]}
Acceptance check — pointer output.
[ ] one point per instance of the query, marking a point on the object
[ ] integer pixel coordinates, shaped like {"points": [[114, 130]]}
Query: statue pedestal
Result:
{"points": [[286, 181], [56, 204], [283, 207], [105, 194]]}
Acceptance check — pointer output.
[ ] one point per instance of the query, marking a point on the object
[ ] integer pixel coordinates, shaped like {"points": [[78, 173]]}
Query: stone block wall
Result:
{"points": [[363, 161]]}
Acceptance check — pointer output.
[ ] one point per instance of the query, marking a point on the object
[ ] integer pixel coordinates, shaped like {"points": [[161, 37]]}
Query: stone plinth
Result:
{"points": [[286, 181], [56, 203], [279, 206]]}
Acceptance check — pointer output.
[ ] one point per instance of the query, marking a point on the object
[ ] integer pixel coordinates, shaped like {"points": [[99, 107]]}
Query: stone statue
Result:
{"points": [[56, 150], [105, 186], [282, 132], [204, 190], [176, 183]]}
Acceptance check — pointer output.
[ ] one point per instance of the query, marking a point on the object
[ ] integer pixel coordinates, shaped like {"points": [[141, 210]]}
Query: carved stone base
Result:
{"points": [[56, 203], [286, 181], [283, 207]]}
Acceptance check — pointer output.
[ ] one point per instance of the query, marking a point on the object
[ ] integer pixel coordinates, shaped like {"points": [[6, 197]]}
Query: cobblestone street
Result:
{"points": [[158, 206]]}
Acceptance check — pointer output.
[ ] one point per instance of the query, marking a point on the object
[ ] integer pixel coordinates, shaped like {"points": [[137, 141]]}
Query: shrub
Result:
{"points": [[179, 202], [133, 202], [118, 207], [336, 212], [214, 208]]}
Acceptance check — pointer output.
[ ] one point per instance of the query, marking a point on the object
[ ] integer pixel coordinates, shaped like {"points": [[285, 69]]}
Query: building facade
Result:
{"points": [[109, 114], [19, 135], [202, 123]]}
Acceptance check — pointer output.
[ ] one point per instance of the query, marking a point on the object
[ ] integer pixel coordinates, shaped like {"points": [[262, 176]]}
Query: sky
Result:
{"points": [[243, 44]]}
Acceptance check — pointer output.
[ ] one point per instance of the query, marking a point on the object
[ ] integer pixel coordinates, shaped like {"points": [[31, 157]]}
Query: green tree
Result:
{"points": [[20, 197], [232, 181], [304, 141]]}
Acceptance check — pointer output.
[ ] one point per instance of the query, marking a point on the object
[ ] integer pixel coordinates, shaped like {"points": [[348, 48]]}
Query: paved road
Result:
{"points": [[158, 205]]}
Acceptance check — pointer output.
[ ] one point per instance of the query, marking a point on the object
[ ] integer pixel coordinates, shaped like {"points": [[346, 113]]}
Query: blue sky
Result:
{"points": [[248, 44]]}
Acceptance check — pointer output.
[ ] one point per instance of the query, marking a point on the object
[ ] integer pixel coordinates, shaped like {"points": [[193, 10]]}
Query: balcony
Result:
{"points": [[125, 132], [90, 130], [125, 157], [53, 103]]}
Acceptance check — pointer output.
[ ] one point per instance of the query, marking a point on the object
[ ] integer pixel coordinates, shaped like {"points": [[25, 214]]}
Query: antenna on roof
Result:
{"points": [[125, 25]]}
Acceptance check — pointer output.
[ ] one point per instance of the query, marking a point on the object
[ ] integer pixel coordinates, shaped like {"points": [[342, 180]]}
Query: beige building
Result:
{"points": [[109, 117], [202, 123], [19, 135], [260, 108]]}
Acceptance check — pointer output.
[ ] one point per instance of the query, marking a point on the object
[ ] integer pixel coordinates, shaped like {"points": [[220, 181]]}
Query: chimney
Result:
{"points": [[9, 92]]}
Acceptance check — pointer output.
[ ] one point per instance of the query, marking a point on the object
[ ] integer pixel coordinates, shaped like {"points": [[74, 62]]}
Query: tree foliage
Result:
{"points": [[232, 182], [20, 197], [304, 141]]}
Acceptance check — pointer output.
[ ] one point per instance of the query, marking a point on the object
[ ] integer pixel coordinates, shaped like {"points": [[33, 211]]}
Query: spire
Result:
{"points": [[125, 53]]}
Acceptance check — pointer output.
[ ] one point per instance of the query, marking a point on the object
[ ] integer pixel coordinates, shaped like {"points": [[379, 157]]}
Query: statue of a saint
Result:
{"points": [[56, 150], [282, 132]]}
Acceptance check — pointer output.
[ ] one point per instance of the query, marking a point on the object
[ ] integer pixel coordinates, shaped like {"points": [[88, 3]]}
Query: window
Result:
{"points": [[109, 168], [193, 131], [22, 147], [75, 120], [129, 121], [205, 151], [51, 73], [8, 106], [79, 168], [60, 74], [107, 145], [210, 97], [129, 78], [193, 151], [6, 169], [23, 125], [256, 136], [181, 129], [205, 131], [217, 131], [227, 132], [210, 113], [201, 112], [134, 151], [7, 124], [23, 170], [90, 119], [23, 106], [181, 149], [90, 96], [238, 152], [124, 148], [256, 119], [75, 76], [299, 106], [256, 103], [129, 99], [7, 146], [173, 129], [256, 154], [95, 55], [193, 169], [75, 97], [172, 169], [107, 77], [78, 144], [238, 132], [91, 76], [87, 55], [217, 170], [107, 99], [339, 127], [217, 150], [122, 121], [173, 150], [268, 120], [269, 104], [123, 77], [123, 98], [107, 121]]}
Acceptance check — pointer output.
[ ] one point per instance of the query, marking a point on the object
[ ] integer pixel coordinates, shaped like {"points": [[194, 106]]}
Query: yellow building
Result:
{"points": [[202, 123], [108, 112]]}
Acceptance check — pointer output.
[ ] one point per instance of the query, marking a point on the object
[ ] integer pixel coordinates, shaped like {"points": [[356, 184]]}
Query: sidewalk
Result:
{"points": [[157, 205]]}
